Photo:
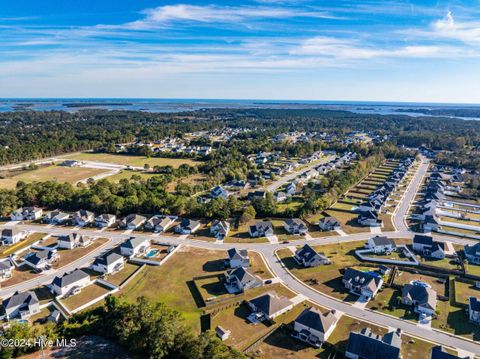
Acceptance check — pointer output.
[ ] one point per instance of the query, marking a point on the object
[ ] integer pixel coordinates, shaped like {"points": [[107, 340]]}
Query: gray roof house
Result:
{"points": [[187, 226], [83, 217], [365, 344], [362, 283], [219, 229], [270, 305], [260, 229], [41, 259], [474, 310], [381, 244], [237, 258], [6, 267], [423, 298], [70, 281], [56, 217], [105, 220], [22, 305], [472, 252], [314, 327], [134, 246], [329, 224], [108, 263], [309, 257], [159, 223], [132, 221], [295, 226], [239, 279]]}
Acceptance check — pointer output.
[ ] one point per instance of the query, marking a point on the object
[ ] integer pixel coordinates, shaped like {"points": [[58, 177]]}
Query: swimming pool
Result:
{"points": [[151, 253]]}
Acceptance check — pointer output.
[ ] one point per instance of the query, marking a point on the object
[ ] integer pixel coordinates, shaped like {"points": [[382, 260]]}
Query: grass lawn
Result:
{"points": [[54, 173], [127, 174], [387, 302], [240, 235], [387, 223], [465, 290], [258, 266], [69, 255], [137, 161], [403, 278], [20, 274], [455, 320], [327, 278], [119, 277], [348, 221], [32, 238], [172, 282], [244, 333], [472, 269], [87, 294]]}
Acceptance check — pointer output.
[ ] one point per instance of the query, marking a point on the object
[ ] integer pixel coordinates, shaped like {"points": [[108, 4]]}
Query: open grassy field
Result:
{"points": [[172, 282], [465, 290], [137, 161], [53, 173], [86, 295], [127, 174], [119, 277]]}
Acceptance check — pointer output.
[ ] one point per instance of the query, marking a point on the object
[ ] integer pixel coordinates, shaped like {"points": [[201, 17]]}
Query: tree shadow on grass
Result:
{"points": [[458, 320]]}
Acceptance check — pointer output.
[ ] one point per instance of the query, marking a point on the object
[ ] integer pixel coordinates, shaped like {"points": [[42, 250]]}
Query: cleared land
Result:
{"points": [[53, 173], [136, 161], [87, 294]]}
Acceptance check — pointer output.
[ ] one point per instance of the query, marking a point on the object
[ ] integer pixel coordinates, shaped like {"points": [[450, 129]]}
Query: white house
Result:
{"points": [[309, 257], [70, 282], [26, 214], [270, 305], [109, 263], [12, 235], [6, 268], [40, 260], [314, 327], [220, 229], [329, 224], [239, 279], [83, 218], [187, 226], [134, 246], [260, 229], [362, 283], [159, 224], [21, 305], [237, 258], [133, 221], [73, 240], [295, 226], [423, 298], [105, 220], [381, 244], [56, 217]]}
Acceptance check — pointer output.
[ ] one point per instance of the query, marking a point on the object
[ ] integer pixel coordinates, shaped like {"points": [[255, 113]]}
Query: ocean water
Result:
{"points": [[180, 105]]}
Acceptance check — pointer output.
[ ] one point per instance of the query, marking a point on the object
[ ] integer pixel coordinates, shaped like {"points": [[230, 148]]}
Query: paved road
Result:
{"points": [[268, 252], [272, 187]]}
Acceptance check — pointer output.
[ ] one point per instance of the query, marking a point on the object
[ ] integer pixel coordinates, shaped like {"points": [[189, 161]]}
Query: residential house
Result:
{"points": [[314, 327], [291, 189], [159, 224], [365, 344], [369, 219], [329, 224], [421, 243], [26, 214], [73, 240], [83, 218], [219, 229], [108, 263], [270, 305], [40, 260], [472, 252], [134, 246], [260, 229], [474, 310], [365, 284], [56, 217], [423, 298], [295, 226], [6, 268], [133, 221], [105, 220], [381, 244], [439, 352], [256, 194], [70, 282], [239, 279], [308, 257], [21, 305], [237, 258], [430, 224], [187, 226], [219, 192], [12, 235]]}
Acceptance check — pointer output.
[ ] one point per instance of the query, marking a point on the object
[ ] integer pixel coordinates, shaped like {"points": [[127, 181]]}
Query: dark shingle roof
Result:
{"points": [[20, 298], [70, 278], [421, 239], [313, 318], [368, 345]]}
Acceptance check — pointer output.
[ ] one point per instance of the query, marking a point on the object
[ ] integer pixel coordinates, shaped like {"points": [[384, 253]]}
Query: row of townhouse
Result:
{"points": [[369, 210]]}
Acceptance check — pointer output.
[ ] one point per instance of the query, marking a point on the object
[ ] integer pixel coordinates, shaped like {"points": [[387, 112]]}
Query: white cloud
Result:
{"points": [[449, 28], [212, 13], [347, 49]]}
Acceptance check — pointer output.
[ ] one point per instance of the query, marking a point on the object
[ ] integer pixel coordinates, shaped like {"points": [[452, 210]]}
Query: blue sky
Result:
{"points": [[424, 51]]}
